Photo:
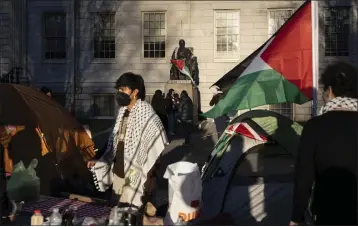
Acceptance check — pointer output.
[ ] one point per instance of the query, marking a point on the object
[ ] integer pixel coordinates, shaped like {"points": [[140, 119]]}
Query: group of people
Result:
{"points": [[174, 110], [326, 159]]}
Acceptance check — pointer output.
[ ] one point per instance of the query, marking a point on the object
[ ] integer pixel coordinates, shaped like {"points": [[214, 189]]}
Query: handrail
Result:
{"points": [[10, 76]]}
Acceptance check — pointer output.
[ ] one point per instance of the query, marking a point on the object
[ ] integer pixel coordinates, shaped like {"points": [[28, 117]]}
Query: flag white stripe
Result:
{"points": [[253, 132]]}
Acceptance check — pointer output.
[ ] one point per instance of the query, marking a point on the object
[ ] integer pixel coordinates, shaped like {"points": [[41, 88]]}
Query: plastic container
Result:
{"points": [[56, 218], [37, 218], [113, 217]]}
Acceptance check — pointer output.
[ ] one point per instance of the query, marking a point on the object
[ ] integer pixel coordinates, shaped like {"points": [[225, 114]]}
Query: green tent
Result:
{"points": [[252, 166]]}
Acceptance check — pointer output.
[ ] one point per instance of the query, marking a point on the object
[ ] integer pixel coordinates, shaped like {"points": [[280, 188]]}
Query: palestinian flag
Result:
{"points": [[280, 71], [180, 64]]}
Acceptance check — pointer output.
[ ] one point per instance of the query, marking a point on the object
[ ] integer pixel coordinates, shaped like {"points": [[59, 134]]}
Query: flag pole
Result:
{"points": [[315, 54]]}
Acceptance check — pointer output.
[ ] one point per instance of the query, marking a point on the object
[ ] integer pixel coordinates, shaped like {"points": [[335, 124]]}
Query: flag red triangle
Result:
{"points": [[179, 63], [290, 52]]}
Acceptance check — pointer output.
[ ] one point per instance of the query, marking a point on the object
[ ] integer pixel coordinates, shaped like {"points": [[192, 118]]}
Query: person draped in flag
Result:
{"points": [[138, 139], [181, 53], [327, 154]]}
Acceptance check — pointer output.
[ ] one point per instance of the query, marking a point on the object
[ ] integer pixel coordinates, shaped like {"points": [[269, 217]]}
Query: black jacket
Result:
{"points": [[186, 109], [169, 103], [159, 105], [327, 158]]}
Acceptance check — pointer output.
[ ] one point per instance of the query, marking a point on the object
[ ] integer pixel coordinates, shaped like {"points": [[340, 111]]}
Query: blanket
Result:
{"points": [[144, 142]]}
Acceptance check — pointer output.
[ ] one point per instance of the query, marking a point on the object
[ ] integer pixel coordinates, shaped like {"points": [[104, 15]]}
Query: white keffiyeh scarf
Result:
{"points": [[340, 103], [144, 141]]}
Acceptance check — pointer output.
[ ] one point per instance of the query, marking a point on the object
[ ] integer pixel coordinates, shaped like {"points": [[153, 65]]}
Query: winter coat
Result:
{"points": [[186, 109], [170, 104], [159, 105]]}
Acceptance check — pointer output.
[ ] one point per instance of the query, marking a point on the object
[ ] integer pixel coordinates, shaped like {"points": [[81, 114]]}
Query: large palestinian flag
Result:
{"points": [[280, 71]]}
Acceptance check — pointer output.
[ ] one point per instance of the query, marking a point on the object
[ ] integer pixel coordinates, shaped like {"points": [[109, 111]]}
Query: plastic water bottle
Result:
{"points": [[113, 217], [37, 218], [56, 218]]}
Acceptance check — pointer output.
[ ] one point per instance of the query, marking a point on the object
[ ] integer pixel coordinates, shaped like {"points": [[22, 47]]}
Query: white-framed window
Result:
{"points": [[104, 35], [54, 35], [154, 33], [276, 18], [336, 30], [103, 105], [227, 34]]}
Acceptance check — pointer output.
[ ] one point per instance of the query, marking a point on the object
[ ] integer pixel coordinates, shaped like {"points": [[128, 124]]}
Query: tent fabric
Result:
{"points": [[44, 130], [251, 178], [218, 176], [30, 107], [280, 128], [261, 189]]}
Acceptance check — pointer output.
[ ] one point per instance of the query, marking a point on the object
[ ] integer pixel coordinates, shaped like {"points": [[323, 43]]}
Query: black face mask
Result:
{"points": [[123, 99]]}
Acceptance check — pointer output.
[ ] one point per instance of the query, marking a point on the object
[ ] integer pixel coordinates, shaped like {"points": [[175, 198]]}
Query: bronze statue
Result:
{"points": [[183, 53]]}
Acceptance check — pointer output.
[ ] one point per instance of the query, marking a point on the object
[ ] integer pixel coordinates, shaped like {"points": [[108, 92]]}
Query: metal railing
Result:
{"points": [[93, 100], [15, 75]]}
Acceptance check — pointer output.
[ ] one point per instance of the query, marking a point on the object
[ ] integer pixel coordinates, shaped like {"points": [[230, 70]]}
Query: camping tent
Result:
{"points": [[250, 172], [32, 125]]}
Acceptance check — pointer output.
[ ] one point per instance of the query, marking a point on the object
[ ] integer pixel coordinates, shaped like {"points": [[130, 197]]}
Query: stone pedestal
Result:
{"points": [[179, 86]]}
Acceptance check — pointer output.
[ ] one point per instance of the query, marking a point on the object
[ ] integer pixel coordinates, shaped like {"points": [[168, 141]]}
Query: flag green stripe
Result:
{"points": [[257, 89]]}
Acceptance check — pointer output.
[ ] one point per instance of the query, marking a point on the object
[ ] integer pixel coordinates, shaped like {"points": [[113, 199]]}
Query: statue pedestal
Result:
{"points": [[179, 86]]}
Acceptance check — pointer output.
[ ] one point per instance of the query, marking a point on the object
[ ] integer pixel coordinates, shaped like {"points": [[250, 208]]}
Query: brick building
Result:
{"points": [[85, 45]]}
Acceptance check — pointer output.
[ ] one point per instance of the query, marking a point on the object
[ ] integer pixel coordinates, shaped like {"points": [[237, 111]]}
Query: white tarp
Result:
{"points": [[185, 190]]}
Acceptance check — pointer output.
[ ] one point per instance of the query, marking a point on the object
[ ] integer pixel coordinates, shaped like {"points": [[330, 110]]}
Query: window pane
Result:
{"points": [[145, 24], [227, 31], [337, 23], [154, 35], [104, 35], [152, 17], [146, 32], [146, 17], [54, 35]]}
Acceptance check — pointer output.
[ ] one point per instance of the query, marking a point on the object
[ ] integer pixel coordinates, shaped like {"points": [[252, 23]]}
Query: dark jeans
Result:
{"points": [[185, 130], [171, 122], [164, 120]]}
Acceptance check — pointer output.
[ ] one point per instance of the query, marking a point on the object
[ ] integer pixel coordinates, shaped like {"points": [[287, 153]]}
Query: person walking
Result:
{"points": [[159, 106], [137, 140], [185, 113], [171, 112], [327, 155]]}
